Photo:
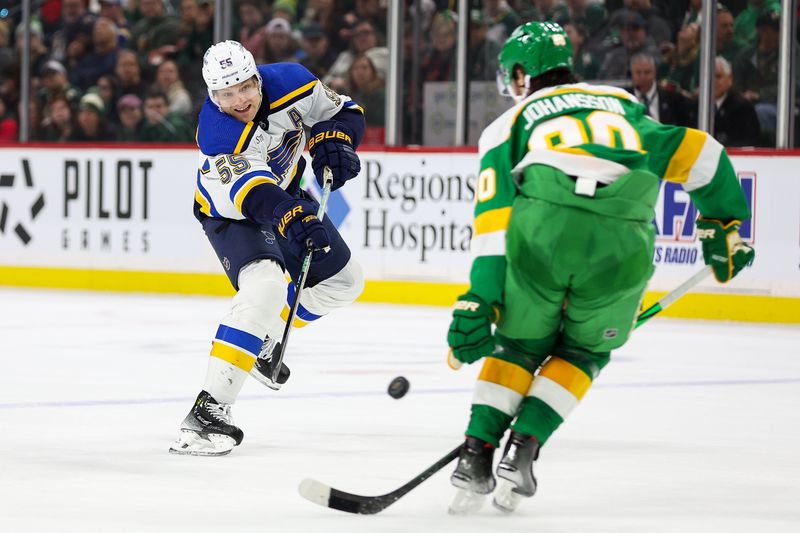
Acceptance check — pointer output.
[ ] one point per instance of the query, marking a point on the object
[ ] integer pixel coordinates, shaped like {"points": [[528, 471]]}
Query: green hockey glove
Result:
{"points": [[723, 247], [470, 336]]}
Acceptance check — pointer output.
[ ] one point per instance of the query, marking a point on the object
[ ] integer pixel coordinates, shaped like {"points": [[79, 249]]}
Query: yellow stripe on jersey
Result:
{"points": [[357, 108], [685, 156], [573, 150], [292, 94], [240, 196], [237, 358], [621, 93], [243, 137], [494, 220], [205, 206], [506, 374], [567, 376]]}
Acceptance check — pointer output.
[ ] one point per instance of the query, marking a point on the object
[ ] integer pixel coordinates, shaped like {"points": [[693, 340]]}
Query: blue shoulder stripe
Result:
{"points": [[220, 133]]}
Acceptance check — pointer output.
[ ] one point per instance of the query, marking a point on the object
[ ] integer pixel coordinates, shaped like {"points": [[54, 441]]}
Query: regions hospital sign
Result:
{"points": [[407, 218]]}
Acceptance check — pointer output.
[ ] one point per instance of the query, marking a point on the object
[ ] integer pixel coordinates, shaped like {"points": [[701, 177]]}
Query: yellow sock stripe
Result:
{"points": [[506, 374], [568, 376], [237, 358], [685, 156]]}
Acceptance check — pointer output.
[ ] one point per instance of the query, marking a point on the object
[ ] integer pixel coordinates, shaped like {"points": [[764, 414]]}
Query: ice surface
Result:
{"points": [[693, 427]]}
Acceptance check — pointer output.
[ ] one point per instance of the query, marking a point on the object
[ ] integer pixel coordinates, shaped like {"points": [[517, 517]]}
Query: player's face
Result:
{"points": [[241, 101]]}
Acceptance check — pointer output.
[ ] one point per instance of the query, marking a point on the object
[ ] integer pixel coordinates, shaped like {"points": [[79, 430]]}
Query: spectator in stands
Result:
{"points": [[547, 11], [330, 16], [128, 73], [73, 39], [668, 107], [101, 60], [199, 39], [482, 53], [107, 89], [755, 73], [39, 52], [113, 11], [8, 123], [586, 66], [685, 67], [129, 110], [161, 126], [366, 40], [6, 50], [370, 10], [656, 26], [693, 13], [58, 123], [281, 45], [91, 125], [745, 25], [168, 81], [502, 20], [633, 40], [253, 34], [285, 9], [368, 89], [318, 54], [727, 45], [438, 64], [155, 37], [54, 83], [735, 121], [588, 14], [188, 12]]}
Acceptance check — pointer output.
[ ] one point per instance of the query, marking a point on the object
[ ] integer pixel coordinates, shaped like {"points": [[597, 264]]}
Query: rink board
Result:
{"points": [[119, 218]]}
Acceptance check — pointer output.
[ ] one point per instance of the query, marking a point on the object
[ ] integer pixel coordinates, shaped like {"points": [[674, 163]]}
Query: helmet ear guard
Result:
{"points": [[225, 64]]}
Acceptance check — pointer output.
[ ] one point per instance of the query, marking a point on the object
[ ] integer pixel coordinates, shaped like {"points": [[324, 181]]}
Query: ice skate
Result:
{"points": [[472, 477], [264, 366], [515, 471], [208, 429]]}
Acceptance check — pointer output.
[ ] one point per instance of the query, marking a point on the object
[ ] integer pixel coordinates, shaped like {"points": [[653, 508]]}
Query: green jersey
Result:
{"points": [[594, 135]]}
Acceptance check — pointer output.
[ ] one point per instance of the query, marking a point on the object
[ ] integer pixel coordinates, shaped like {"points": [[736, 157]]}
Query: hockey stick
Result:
{"points": [[326, 496], [301, 280]]}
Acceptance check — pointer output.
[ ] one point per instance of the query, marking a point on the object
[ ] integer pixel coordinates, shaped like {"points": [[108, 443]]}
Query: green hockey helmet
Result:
{"points": [[537, 47]]}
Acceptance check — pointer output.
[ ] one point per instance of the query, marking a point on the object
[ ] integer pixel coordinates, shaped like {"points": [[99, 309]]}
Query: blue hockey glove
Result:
{"points": [[296, 221], [332, 148], [470, 335], [723, 247]]}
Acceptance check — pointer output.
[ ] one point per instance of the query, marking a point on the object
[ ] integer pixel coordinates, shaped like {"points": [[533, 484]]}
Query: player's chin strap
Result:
{"points": [[301, 279]]}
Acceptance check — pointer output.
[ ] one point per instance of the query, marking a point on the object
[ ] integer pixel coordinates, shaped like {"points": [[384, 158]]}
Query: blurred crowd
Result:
{"points": [[129, 70]]}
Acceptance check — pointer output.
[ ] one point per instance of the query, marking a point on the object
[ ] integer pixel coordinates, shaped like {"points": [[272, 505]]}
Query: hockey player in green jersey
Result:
{"points": [[563, 250]]}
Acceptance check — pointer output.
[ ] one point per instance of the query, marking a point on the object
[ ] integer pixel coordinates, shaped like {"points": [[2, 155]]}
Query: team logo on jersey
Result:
{"points": [[332, 95], [19, 192], [281, 158]]}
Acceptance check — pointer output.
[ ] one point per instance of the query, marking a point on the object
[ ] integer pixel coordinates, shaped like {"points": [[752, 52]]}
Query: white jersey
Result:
{"points": [[235, 157]]}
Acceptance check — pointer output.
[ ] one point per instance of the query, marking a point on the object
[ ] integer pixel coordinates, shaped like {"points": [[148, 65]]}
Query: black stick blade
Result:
{"points": [[326, 496]]}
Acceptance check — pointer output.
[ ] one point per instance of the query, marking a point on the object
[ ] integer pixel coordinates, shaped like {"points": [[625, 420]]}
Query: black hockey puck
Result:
{"points": [[398, 387]]}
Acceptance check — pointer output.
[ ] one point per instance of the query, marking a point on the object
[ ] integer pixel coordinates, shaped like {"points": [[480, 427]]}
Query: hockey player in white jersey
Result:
{"points": [[252, 130]]}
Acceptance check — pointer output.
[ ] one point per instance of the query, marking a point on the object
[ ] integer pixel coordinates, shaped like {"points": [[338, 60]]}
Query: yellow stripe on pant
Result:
{"points": [[502, 385], [560, 385], [232, 355]]}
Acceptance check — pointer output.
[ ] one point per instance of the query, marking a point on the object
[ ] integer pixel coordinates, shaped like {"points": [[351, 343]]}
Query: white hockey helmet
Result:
{"points": [[228, 63]]}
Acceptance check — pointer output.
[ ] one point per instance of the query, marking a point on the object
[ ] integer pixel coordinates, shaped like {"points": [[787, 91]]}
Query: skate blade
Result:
{"points": [[192, 443], [505, 499], [466, 502]]}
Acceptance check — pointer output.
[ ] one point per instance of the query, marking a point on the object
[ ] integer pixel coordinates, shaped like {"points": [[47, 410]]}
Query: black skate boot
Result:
{"points": [[515, 471], [472, 476], [264, 366], [208, 429]]}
